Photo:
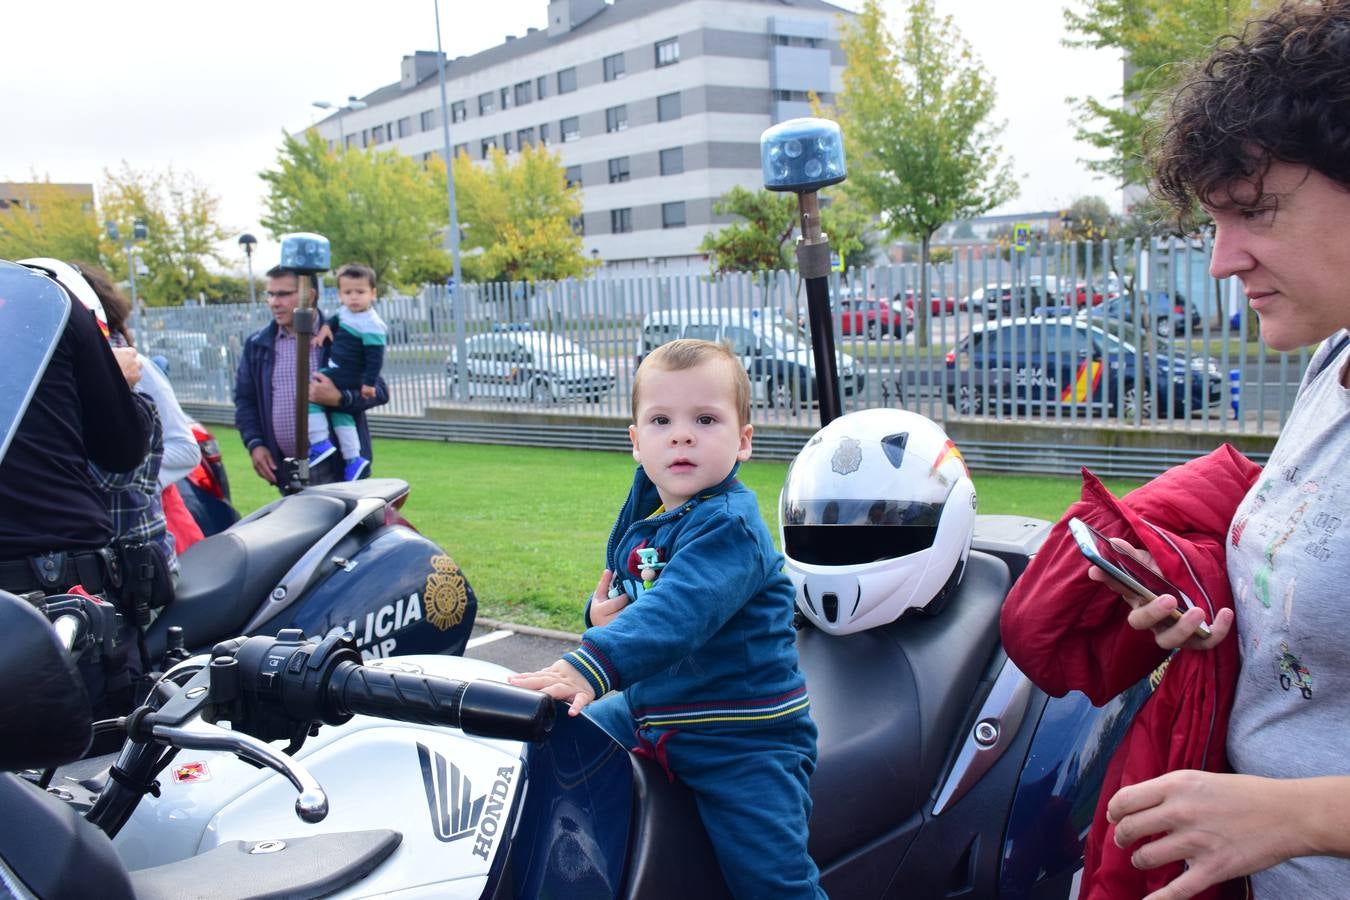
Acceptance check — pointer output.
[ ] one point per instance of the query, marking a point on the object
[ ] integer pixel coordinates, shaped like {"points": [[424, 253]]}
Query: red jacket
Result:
{"points": [[1069, 633]]}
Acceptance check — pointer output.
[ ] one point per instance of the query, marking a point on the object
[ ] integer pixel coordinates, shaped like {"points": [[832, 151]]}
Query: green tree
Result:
{"points": [[181, 231], [519, 217], [1159, 40], [51, 221], [763, 237], [921, 148], [379, 208]]}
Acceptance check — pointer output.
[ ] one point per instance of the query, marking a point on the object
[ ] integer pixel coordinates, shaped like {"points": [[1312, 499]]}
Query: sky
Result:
{"points": [[208, 88]]}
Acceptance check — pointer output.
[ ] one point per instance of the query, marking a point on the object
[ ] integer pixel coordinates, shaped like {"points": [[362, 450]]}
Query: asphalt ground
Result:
{"points": [[520, 648]]}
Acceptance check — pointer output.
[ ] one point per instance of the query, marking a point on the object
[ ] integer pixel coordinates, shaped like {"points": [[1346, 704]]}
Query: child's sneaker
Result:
{"points": [[321, 451], [355, 468]]}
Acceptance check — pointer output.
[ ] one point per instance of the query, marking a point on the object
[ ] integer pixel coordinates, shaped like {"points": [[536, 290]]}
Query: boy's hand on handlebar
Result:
{"points": [[603, 607], [561, 682], [1156, 615]]}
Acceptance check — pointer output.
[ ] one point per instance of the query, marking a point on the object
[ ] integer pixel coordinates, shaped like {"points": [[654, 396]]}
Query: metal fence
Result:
{"points": [[1082, 335]]}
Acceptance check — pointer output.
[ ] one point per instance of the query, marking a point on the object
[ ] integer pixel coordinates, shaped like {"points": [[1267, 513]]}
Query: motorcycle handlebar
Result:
{"points": [[483, 708]]}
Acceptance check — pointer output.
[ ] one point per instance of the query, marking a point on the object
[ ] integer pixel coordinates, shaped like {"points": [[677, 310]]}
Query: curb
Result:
{"points": [[499, 625]]}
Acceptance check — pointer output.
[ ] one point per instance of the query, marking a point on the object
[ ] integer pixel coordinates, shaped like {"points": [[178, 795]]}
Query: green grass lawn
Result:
{"points": [[528, 525]]}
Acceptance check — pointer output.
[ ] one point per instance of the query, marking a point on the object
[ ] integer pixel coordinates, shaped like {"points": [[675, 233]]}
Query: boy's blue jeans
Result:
{"points": [[751, 786]]}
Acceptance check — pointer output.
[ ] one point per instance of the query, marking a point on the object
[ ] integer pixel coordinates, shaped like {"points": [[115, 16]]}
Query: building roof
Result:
{"points": [[536, 39]]}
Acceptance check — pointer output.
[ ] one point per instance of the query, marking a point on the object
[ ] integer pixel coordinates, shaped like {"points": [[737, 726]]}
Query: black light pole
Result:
{"points": [[803, 156], [305, 254], [247, 241]]}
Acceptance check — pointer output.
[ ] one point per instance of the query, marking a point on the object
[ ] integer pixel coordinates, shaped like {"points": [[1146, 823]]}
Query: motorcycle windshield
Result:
{"points": [[33, 314]]}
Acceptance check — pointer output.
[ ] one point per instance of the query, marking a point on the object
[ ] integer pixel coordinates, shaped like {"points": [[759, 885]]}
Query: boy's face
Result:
{"points": [[356, 294], [688, 436]]}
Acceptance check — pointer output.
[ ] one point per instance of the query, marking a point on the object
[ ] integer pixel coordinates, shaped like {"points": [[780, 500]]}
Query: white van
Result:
{"points": [[775, 353]]}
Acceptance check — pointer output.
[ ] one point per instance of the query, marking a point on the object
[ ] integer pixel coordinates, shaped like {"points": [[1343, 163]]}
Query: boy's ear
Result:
{"points": [[632, 436], [743, 452]]}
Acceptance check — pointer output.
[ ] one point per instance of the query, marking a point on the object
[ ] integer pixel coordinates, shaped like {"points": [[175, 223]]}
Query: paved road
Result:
{"points": [[520, 651]]}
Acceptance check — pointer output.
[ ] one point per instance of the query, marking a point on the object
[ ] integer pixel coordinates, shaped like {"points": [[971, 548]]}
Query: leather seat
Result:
{"points": [[888, 703], [225, 577]]}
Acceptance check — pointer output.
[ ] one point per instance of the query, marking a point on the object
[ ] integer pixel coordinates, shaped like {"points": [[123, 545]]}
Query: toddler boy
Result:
{"points": [[358, 337]]}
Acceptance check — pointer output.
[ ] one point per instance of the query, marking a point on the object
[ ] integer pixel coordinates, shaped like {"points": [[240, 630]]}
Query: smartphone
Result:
{"points": [[1129, 571]]}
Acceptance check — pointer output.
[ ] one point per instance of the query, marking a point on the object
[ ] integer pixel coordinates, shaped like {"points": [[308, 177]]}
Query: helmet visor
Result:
{"points": [[861, 512]]}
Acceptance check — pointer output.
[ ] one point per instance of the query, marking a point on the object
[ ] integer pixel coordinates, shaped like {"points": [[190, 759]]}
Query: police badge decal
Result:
{"points": [[446, 596]]}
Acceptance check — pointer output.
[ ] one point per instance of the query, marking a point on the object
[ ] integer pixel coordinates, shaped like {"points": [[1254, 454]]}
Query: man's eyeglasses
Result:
{"points": [[276, 295]]}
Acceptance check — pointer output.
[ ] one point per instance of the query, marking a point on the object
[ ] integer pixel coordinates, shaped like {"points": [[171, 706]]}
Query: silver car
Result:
{"points": [[529, 365]]}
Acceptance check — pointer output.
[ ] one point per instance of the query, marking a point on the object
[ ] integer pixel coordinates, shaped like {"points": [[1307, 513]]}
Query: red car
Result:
{"points": [[872, 318], [937, 304]]}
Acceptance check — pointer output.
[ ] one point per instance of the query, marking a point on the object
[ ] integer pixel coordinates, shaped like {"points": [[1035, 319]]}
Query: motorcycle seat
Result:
{"points": [[386, 489], [225, 577], [889, 703]]}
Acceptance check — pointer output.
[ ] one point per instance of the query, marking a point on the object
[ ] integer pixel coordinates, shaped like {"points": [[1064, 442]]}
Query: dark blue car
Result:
{"points": [[1157, 310], [1041, 365]]}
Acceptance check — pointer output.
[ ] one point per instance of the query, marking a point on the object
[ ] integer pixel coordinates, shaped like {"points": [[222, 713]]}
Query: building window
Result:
{"points": [[427, 120], [350, 141], [573, 174], [614, 67], [667, 52], [792, 96], [485, 148], [540, 84], [570, 129], [620, 220], [524, 138], [506, 142], [524, 93], [668, 107], [365, 137], [579, 225], [486, 103], [405, 126], [506, 98], [567, 80], [458, 111], [672, 161], [544, 137], [672, 215], [618, 170], [461, 148], [616, 118], [377, 134]]}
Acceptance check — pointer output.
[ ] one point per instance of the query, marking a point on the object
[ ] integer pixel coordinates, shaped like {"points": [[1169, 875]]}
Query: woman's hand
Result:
{"points": [[1156, 615]]}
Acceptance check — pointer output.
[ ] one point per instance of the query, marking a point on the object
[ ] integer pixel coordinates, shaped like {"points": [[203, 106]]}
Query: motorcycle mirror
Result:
{"points": [[33, 314]]}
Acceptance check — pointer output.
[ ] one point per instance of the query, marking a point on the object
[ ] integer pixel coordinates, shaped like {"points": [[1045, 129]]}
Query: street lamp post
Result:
{"points": [[351, 105], [452, 221], [247, 241], [139, 232]]}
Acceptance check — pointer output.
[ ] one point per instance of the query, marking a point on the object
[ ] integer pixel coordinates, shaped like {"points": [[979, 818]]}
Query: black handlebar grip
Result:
{"points": [[483, 708]]}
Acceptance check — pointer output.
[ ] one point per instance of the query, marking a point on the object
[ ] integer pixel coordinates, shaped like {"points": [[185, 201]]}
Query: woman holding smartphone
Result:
{"points": [[1260, 138]]}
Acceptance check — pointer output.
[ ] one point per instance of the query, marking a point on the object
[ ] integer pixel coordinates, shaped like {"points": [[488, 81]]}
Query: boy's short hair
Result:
{"points": [[356, 270], [279, 271], [1277, 92], [686, 353]]}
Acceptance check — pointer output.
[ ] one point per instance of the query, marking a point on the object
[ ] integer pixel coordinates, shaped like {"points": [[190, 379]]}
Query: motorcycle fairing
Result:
{"points": [[397, 592]]}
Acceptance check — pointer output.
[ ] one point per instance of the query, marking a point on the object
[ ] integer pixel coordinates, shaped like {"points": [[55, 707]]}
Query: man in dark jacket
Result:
{"points": [[264, 390]]}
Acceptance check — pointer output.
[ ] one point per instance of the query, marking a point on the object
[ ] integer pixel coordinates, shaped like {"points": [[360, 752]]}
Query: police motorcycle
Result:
{"points": [[942, 772], [323, 556]]}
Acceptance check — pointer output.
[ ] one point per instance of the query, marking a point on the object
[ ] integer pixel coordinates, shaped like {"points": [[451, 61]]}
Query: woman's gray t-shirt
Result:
{"points": [[1289, 566]]}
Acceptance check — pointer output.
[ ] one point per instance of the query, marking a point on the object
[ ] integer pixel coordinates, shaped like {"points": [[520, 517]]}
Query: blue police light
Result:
{"points": [[302, 251], [802, 155]]}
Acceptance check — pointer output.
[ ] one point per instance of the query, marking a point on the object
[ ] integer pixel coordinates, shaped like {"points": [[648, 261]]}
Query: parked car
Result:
{"points": [[996, 301], [872, 317], [182, 350], [938, 305], [1158, 311], [529, 365], [776, 355], [1039, 364]]}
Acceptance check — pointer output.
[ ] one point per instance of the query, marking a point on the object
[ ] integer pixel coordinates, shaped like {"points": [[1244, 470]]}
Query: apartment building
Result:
{"points": [[654, 106]]}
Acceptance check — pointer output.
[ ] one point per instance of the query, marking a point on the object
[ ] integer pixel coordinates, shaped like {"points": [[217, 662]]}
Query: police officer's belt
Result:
{"points": [[96, 571]]}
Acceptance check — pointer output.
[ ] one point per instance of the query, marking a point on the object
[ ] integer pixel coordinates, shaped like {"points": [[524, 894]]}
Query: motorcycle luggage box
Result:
{"points": [[888, 703], [226, 577]]}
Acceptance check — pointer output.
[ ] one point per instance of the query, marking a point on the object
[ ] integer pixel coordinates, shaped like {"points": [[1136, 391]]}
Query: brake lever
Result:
{"points": [[312, 803]]}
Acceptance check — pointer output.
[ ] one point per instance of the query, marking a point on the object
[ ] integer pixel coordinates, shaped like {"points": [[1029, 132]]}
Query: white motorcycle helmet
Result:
{"points": [[876, 518], [73, 281]]}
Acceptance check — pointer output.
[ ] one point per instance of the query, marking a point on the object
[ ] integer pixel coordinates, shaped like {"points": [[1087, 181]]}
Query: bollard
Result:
{"points": [[1235, 389]]}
